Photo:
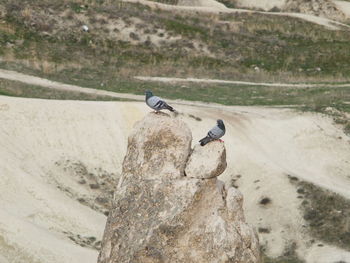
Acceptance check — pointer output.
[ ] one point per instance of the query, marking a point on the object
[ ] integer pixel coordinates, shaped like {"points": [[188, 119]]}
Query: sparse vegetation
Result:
{"points": [[45, 38], [99, 183], [326, 213], [228, 3], [18, 89], [53, 45], [228, 46], [264, 230], [195, 117], [289, 256], [265, 201], [84, 241], [168, 2]]}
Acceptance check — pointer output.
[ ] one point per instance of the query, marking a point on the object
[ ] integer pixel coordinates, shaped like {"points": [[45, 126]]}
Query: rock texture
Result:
{"points": [[324, 8], [160, 215], [207, 161]]}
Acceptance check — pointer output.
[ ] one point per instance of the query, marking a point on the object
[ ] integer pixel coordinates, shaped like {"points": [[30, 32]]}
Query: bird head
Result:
{"points": [[148, 94], [221, 124]]}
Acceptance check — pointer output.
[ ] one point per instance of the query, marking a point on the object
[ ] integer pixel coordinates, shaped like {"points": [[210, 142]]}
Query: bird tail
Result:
{"points": [[205, 140], [169, 108]]}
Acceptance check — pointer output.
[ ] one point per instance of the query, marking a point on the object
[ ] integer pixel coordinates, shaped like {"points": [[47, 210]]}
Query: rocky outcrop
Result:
{"points": [[158, 148], [161, 215], [208, 161], [324, 8]]}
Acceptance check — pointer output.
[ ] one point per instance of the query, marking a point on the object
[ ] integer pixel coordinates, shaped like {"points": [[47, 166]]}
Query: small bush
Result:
{"points": [[327, 214]]}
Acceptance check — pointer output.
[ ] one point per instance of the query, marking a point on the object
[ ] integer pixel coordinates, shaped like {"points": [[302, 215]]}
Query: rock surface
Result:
{"points": [[158, 148], [207, 161], [160, 215], [323, 8]]}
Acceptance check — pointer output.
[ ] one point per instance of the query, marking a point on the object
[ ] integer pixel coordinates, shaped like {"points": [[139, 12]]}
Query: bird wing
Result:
{"points": [[216, 133], [152, 101], [156, 103]]}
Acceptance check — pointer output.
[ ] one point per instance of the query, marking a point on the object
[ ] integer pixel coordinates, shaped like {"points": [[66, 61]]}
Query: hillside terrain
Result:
{"points": [[127, 39], [332, 9], [277, 72], [57, 179]]}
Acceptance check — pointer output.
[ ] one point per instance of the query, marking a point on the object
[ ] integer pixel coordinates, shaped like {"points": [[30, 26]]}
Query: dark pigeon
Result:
{"points": [[215, 133], [157, 103]]}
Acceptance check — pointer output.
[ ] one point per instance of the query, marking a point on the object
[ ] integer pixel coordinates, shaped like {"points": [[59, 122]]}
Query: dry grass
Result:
{"points": [[228, 46], [250, 47], [326, 213], [18, 89]]}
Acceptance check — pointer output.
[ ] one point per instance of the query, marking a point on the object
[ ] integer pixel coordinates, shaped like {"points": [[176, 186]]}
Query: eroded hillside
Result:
{"points": [[128, 39], [60, 160]]}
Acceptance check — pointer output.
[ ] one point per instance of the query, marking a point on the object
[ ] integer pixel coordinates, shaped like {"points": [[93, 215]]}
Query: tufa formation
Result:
{"points": [[160, 215]]}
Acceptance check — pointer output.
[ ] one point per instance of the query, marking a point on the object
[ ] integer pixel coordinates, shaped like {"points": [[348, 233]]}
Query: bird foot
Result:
{"points": [[221, 140]]}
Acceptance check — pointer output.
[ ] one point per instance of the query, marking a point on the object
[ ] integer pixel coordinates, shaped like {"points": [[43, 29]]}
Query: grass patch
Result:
{"points": [[18, 89], [184, 28], [326, 213], [168, 2], [228, 46], [225, 46], [228, 3], [313, 99]]}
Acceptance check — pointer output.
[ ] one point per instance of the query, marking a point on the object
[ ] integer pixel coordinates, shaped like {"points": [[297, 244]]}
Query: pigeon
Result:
{"points": [[156, 103], [215, 133]]}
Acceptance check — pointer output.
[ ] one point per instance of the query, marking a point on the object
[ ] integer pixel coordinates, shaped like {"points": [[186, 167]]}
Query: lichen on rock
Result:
{"points": [[160, 215]]}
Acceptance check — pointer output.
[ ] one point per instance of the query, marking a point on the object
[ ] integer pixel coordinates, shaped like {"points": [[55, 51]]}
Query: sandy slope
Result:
{"points": [[344, 6], [263, 145], [210, 8], [266, 5]]}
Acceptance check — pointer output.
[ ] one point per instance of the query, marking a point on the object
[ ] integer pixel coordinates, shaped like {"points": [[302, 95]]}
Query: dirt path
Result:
{"points": [[219, 81], [329, 24], [32, 80]]}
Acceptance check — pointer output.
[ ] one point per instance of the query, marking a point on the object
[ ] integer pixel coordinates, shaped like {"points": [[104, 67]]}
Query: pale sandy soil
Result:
{"points": [[220, 81], [262, 4], [263, 146], [343, 6], [327, 23], [266, 5]]}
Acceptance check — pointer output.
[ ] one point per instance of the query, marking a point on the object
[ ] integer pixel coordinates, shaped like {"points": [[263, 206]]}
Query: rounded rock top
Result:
{"points": [[208, 161]]}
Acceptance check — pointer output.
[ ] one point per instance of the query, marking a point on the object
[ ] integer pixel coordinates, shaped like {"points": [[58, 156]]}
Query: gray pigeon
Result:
{"points": [[215, 133], [156, 103]]}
